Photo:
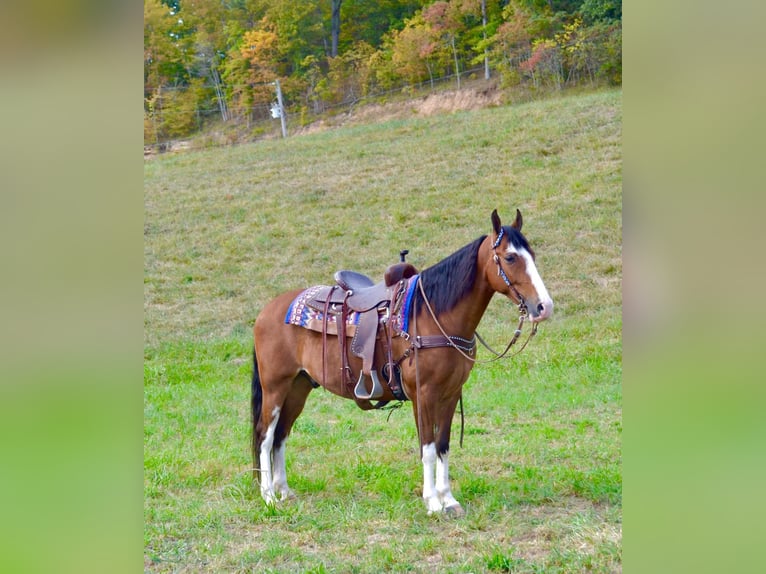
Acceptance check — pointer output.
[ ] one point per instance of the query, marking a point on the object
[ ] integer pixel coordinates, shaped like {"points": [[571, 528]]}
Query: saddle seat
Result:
{"points": [[364, 294], [374, 303]]}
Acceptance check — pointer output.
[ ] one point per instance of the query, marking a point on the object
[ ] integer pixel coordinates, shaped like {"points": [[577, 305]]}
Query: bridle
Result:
{"points": [[516, 334], [523, 314], [502, 274]]}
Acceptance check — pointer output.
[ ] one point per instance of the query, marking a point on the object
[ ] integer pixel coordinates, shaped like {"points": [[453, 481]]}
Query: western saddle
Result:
{"points": [[376, 304]]}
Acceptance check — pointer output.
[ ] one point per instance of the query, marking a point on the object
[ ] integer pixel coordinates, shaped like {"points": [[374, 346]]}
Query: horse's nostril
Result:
{"points": [[540, 307]]}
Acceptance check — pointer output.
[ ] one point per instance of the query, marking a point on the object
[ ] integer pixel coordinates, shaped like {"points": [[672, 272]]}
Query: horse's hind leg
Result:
{"points": [[268, 403], [293, 406], [265, 431]]}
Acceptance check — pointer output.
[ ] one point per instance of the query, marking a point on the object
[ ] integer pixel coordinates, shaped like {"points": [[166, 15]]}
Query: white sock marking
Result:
{"points": [[429, 488], [442, 481], [267, 486], [280, 473]]}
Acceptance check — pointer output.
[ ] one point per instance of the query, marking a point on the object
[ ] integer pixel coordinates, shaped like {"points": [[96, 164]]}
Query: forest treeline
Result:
{"points": [[217, 60]]}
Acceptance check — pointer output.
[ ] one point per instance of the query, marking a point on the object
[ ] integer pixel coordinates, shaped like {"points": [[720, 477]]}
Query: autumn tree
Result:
{"points": [[416, 50], [511, 42], [259, 49], [221, 57], [444, 19], [165, 47], [371, 21]]}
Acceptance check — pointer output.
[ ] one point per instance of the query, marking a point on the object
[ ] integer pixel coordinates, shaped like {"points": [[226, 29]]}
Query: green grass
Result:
{"points": [[540, 472]]}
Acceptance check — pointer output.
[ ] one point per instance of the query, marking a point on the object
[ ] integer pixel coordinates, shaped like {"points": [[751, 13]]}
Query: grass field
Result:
{"points": [[540, 471]]}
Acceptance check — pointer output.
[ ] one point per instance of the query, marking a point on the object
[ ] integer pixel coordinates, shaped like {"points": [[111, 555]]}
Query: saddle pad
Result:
{"points": [[401, 320], [301, 314]]}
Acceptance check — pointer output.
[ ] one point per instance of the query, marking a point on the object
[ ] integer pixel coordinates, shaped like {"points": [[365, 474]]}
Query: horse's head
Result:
{"points": [[516, 273]]}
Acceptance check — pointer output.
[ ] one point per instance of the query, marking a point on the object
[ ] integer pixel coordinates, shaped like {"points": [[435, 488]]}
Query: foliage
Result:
{"points": [[164, 51], [544, 64], [350, 75], [173, 113], [259, 50], [239, 48], [415, 51], [601, 11]]}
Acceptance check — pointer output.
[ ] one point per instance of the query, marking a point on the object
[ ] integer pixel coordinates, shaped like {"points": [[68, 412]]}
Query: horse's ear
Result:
{"points": [[496, 222], [517, 224]]}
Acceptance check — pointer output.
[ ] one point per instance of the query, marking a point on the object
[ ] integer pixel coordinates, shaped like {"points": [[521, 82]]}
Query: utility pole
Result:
{"points": [[281, 109]]}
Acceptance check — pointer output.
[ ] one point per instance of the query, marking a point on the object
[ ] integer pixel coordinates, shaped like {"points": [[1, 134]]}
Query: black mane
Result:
{"points": [[447, 282]]}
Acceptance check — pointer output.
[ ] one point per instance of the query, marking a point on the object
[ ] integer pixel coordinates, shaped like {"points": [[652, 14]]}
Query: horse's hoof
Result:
{"points": [[287, 495], [454, 511]]}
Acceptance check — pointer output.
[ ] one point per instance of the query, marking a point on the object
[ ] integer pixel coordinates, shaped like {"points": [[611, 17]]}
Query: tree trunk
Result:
{"points": [[335, 26], [430, 74], [219, 92], [484, 31], [454, 53]]}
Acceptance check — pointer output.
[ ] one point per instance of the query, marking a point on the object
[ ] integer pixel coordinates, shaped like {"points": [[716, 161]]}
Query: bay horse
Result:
{"points": [[451, 297]]}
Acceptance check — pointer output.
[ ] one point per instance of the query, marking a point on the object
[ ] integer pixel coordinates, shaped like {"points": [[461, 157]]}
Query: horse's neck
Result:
{"points": [[464, 318]]}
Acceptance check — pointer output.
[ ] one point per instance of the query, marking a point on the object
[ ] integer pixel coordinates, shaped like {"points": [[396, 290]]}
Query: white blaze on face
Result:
{"points": [[534, 277]]}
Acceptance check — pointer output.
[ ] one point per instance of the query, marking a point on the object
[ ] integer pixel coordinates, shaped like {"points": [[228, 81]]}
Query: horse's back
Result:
{"points": [[274, 312], [271, 335]]}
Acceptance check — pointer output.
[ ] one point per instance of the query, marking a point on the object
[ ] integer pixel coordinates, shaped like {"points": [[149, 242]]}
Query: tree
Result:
{"points": [[484, 34], [164, 53], [371, 20], [601, 11], [416, 50], [335, 26], [544, 65], [259, 48], [444, 18], [511, 42]]}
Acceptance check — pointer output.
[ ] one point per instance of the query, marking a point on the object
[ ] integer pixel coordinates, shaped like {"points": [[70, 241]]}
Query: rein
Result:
{"points": [[498, 356]]}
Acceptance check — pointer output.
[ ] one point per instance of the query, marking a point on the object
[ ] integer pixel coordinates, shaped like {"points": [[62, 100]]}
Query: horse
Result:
{"points": [[449, 297]]}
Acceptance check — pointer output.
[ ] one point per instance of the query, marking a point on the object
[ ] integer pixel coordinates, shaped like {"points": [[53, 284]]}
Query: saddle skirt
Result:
{"points": [[307, 310]]}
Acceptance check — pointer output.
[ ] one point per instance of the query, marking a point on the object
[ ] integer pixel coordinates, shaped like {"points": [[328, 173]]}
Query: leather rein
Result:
{"points": [[448, 340]]}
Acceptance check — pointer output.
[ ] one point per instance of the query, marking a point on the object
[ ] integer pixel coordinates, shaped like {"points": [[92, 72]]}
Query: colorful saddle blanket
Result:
{"points": [[303, 312]]}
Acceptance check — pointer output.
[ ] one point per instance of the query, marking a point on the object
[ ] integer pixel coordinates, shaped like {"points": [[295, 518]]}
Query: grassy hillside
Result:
{"points": [[540, 473]]}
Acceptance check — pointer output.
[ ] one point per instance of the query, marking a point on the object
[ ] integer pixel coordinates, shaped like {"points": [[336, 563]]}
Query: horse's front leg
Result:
{"points": [[434, 441], [443, 490], [436, 487], [425, 421], [279, 484], [430, 495]]}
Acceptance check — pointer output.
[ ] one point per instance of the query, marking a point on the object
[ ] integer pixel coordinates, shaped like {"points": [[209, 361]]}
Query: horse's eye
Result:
{"points": [[511, 259]]}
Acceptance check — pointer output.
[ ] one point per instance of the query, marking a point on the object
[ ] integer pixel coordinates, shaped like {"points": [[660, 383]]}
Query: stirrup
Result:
{"points": [[360, 389]]}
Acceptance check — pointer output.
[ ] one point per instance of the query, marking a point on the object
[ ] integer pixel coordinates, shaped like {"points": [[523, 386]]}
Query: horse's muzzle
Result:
{"points": [[539, 310]]}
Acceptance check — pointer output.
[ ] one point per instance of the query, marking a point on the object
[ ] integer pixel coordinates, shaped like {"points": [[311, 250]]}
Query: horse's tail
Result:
{"points": [[256, 400]]}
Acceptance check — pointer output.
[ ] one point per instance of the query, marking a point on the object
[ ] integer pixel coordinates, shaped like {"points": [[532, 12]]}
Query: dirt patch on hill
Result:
{"points": [[470, 97], [428, 105]]}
